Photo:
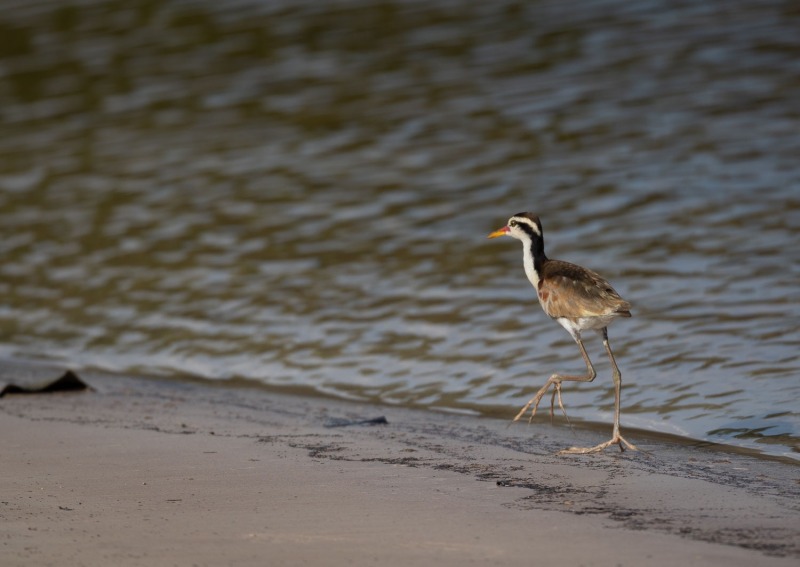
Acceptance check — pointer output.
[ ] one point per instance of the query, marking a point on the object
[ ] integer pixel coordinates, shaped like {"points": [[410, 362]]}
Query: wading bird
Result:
{"points": [[578, 299]]}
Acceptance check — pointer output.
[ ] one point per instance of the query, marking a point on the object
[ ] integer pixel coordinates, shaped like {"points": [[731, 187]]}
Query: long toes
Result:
{"points": [[581, 450], [538, 398], [619, 440], [628, 445], [533, 412]]}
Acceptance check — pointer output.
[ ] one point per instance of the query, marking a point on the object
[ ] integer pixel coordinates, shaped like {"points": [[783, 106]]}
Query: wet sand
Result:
{"points": [[145, 472]]}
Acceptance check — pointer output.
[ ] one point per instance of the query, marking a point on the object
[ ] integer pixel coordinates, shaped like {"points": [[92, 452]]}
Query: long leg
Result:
{"points": [[555, 381], [616, 438]]}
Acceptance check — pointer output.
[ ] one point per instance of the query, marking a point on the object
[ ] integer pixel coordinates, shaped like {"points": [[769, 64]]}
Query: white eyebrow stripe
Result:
{"points": [[527, 222]]}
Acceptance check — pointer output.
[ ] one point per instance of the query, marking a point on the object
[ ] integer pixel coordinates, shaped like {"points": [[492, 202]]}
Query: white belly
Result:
{"points": [[575, 326]]}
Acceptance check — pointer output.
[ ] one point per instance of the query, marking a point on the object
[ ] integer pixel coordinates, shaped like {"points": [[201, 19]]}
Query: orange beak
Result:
{"points": [[499, 232]]}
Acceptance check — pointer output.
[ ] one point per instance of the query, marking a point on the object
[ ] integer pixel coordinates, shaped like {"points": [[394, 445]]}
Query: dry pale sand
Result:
{"points": [[142, 472]]}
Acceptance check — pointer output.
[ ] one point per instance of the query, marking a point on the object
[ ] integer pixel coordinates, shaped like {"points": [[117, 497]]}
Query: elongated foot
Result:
{"points": [[553, 381], [615, 440]]}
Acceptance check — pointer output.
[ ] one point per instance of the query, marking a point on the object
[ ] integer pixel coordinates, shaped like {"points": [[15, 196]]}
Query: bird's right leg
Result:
{"points": [[555, 381]]}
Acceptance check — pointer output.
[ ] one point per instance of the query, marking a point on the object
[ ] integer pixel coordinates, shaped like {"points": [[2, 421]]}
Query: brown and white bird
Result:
{"points": [[579, 299]]}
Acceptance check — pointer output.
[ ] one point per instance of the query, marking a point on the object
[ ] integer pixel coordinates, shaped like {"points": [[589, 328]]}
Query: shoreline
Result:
{"points": [[43, 371], [142, 471]]}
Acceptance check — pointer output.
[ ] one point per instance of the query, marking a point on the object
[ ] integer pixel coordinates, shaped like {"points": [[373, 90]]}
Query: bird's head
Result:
{"points": [[522, 226]]}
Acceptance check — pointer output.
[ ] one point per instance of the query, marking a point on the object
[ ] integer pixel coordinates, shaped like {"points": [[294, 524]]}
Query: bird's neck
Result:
{"points": [[533, 260]]}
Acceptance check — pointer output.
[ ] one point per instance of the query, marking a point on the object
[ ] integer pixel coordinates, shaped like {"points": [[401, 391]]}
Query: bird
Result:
{"points": [[579, 299]]}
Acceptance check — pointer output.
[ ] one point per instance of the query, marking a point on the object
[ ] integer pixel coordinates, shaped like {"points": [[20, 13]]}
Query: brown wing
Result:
{"points": [[567, 290]]}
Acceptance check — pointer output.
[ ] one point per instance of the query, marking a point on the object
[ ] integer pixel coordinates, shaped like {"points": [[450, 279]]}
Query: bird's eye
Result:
{"points": [[512, 224]]}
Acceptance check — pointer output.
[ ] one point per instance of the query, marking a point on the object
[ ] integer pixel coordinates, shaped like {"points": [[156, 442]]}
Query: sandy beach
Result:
{"points": [[146, 472]]}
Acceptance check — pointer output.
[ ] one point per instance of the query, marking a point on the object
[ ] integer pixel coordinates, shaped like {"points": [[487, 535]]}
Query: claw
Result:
{"points": [[615, 440], [554, 381], [561, 405]]}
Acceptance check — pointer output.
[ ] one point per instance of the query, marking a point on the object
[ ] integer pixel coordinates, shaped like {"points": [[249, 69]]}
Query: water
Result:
{"points": [[298, 194]]}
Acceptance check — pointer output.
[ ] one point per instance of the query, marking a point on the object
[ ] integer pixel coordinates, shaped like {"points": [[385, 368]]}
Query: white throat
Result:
{"points": [[527, 260]]}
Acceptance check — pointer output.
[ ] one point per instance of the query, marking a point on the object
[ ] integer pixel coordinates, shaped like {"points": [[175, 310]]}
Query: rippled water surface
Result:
{"points": [[298, 193]]}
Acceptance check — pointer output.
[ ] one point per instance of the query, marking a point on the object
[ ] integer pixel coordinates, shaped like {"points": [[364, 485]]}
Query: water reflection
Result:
{"points": [[298, 193]]}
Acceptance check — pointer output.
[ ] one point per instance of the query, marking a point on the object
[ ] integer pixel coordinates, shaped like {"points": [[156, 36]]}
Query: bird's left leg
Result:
{"points": [[616, 437], [555, 381]]}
